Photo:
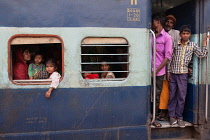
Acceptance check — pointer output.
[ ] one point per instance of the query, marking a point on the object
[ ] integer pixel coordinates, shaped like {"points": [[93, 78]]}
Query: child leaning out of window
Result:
{"points": [[54, 76]]}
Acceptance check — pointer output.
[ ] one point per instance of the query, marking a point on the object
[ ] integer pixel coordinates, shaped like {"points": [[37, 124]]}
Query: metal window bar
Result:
{"points": [[101, 79], [106, 63], [104, 45], [104, 54], [100, 71]]}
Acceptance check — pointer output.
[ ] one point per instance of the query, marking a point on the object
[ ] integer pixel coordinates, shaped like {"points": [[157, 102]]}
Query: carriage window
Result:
{"points": [[41, 46], [104, 58]]}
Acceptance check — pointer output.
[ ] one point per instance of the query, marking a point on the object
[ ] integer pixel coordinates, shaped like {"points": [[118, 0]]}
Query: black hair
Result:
{"points": [[51, 61], [39, 53], [159, 17], [185, 28]]}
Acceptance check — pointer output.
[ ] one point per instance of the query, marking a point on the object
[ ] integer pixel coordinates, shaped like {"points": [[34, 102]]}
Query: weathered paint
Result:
{"points": [[28, 111], [71, 13], [72, 37]]}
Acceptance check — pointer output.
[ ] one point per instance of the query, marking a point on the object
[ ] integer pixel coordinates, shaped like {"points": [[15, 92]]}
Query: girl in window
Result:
{"points": [[106, 67], [54, 76]]}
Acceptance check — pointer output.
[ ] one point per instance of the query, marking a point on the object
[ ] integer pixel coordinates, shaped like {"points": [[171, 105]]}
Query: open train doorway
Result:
{"points": [[185, 12]]}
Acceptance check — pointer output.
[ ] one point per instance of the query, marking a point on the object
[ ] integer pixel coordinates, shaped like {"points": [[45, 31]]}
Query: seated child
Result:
{"points": [[51, 68], [106, 67], [35, 68], [88, 75]]}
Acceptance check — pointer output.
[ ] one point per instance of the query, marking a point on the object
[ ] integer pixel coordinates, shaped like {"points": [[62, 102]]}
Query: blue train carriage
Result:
{"points": [[77, 34]]}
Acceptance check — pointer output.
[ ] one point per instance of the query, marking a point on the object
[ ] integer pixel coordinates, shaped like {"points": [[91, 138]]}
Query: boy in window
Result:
{"points": [[178, 73]]}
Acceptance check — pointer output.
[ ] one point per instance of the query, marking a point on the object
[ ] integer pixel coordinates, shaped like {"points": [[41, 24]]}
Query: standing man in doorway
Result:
{"points": [[170, 23], [163, 55]]}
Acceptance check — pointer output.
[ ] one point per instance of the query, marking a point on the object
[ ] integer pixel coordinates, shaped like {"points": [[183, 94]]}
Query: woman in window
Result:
{"points": [[20, 69]]}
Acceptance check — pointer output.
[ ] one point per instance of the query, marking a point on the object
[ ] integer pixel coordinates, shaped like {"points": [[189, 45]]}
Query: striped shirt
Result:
{"points": [[182, 56]]}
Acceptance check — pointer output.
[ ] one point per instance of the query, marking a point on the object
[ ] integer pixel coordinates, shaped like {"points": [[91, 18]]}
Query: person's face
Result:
{"points": [[105, 66], [50, 68], [86, 74], [38, 59], [155, 24], [169, 24], [26, 55], [185, 35]]}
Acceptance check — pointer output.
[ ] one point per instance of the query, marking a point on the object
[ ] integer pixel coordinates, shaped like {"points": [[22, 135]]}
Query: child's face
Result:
{"points": [[185, 35], [50, 68], [38, 59], [105, 66], [86, 74]]}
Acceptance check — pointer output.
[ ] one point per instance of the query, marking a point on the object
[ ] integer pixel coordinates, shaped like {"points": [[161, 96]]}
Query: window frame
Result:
{"points": [[38, 81], [105, 45]]}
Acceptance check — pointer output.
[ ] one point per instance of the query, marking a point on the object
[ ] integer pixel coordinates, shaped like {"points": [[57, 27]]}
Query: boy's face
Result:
{"points": [[38, 59], [185, 35]]}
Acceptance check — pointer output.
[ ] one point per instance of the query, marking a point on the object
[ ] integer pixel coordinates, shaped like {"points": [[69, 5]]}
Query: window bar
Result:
{"points": [[103, 63], [104, 54], [100, 71], [91, 45]]}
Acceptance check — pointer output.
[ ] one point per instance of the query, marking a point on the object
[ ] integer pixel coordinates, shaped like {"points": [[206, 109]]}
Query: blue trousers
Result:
{"points": [[178, 92]]}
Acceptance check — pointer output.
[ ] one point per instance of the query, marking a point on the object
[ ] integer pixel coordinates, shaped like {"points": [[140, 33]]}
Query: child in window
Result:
{"points": [[51, 68], [35, 68], [88, 75], [106, 67]]}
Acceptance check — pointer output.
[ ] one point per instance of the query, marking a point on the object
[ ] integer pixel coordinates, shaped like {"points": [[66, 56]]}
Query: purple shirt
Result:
{"points": [[163, 50]]}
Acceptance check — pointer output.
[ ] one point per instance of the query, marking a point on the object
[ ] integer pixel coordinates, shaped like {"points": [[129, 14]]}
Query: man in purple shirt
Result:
{"points": [[163, 55]]}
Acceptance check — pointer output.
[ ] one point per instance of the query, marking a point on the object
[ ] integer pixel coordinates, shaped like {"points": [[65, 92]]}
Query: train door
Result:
{"points": [[185, 14]]}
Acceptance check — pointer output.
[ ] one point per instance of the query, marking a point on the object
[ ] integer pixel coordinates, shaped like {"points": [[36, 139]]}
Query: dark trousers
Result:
{"points": [[159, 85], [178, 92]]}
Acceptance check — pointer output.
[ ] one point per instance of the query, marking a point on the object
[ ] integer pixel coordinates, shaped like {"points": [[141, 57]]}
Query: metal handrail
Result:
{"points": [[207, 92], [154, 76]]}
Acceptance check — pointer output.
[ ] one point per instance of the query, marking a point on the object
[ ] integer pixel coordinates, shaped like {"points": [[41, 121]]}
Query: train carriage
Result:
{"points": [[78, 34]]}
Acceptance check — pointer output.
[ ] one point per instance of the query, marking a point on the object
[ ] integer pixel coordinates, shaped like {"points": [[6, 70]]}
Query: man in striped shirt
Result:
{"points": [[178, 72]]}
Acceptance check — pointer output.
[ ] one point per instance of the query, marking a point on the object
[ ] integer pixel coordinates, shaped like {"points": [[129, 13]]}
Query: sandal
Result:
{"points": [[156, 124], [163, 118]]}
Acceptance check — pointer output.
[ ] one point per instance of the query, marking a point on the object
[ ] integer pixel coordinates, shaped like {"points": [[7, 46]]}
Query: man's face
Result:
{"points": [[185, 35], [155, 24], [169, 24]]}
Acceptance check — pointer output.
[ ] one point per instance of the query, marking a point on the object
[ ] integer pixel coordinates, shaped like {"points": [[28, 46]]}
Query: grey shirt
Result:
{"points": [[175, 35]]}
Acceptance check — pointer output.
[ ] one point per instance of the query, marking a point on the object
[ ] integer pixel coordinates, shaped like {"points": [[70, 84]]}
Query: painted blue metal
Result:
{"points": [[124, 133], [206, 10], [190, 112], [71, 13], [27, 110]]}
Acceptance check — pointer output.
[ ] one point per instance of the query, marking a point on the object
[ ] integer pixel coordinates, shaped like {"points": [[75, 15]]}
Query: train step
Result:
{"points": [[177, 139], [166, 124], [168, 132]]}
